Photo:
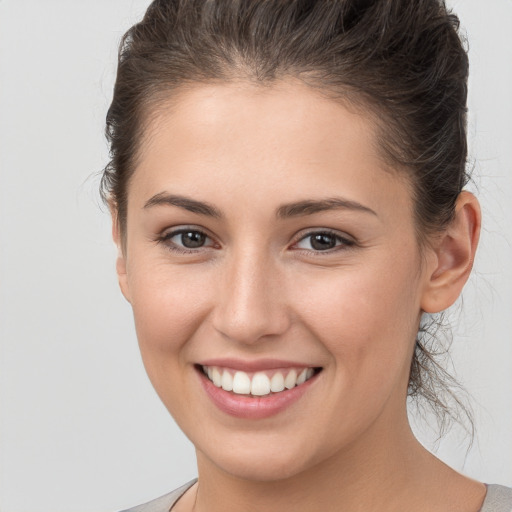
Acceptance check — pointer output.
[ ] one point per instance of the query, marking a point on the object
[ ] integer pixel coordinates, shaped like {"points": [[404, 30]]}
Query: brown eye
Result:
{"points": [[186, 239], [191, 239], [323, 241]]}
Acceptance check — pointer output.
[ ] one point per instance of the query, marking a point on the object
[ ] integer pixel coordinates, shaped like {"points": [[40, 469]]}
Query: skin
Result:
{"points": [[258, 289]]}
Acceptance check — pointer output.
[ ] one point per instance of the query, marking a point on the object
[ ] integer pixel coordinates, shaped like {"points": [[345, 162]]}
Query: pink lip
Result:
{"points": [[243, 406], [253, 366]]}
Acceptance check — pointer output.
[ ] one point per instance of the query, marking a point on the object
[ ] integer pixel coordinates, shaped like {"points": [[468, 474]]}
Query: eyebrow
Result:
{"points": [[186, 203], [310, 207], [296, 209]]}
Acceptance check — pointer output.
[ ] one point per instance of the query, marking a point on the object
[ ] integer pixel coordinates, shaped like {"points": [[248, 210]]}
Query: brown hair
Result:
{"points": [[402, 60]]}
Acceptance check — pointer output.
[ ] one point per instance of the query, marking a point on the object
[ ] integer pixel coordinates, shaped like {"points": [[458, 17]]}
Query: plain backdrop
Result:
{"points": [[80, 426]]}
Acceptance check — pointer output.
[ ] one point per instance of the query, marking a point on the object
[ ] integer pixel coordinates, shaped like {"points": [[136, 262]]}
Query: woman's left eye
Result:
{"points": [[322, 241]]}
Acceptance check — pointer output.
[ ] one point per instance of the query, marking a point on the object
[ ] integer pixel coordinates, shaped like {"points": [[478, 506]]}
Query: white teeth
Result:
{"points": [[241, 383], [216, 377], [277, 382], [260, 385], [227, 381], [302, 377], [291, 380]]}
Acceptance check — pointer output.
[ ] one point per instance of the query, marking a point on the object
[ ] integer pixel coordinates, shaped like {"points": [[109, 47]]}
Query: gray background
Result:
{"points": [[80, 427]]}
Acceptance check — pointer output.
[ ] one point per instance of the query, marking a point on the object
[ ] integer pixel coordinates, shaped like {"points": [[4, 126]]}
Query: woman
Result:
{"points": [[286, 187]]}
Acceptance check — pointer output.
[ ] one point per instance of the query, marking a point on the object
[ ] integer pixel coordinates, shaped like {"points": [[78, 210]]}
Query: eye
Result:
{"points": [[189, 239], [186, 239], [323, 241]]}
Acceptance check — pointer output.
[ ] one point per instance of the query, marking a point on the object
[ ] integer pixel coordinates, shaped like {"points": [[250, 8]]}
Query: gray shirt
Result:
{"points": [[497, 499]]}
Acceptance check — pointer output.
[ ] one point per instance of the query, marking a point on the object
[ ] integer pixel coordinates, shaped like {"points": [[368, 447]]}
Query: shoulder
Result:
{"points": [[498, 499], [164, 503]]}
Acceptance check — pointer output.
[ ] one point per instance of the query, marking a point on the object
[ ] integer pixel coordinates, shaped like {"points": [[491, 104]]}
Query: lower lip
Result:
{"points": [[243, 406]]}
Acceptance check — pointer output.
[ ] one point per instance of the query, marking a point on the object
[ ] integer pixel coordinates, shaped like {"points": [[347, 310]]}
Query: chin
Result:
{"points": [[262, 470], [263, 462]]}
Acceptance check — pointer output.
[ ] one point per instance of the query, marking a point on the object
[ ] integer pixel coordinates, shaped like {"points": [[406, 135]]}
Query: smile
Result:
{"points": [[254, 390], [257, 384]]}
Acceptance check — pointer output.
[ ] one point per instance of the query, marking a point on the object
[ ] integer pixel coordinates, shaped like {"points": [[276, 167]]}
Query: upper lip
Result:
{"points": [[254, 365]]}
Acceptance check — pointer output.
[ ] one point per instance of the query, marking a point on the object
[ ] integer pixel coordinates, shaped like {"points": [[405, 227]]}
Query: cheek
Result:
{"points": [[367, 319], [168, 306]]}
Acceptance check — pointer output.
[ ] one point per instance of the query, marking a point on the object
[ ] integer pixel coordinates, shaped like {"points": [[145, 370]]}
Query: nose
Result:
{"points": [[251, 302]]}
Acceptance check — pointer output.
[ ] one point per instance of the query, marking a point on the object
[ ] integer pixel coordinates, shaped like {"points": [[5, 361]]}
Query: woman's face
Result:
{"points": [[264, 236]]}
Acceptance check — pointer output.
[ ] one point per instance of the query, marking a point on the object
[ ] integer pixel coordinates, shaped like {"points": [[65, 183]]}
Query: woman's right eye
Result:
{"points": [[186, 240]]}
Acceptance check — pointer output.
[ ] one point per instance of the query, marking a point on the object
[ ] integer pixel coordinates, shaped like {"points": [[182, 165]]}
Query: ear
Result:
{"points": [[121, 265], [453, 256]]}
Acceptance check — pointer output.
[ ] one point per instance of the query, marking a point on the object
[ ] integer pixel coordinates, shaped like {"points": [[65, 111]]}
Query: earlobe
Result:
{"points": [[454, 256], [121, 269]]}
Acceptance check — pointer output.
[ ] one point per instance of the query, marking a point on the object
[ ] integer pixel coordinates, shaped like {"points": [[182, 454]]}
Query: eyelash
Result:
{"points": [[344, 242], [172, 246]]}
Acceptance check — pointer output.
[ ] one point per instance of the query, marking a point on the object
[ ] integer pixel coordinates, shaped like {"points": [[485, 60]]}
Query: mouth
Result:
{"points": [[265, 383], [258, 389]]}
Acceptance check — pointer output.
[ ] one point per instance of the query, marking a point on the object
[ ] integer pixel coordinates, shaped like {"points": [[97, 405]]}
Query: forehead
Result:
{"points": [[248, 115], [280, 141]]}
